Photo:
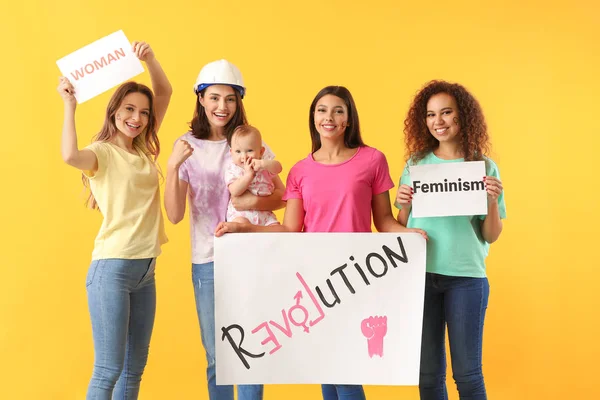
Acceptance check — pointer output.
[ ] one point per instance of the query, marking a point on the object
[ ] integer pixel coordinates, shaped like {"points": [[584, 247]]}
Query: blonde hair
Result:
{"points": [[147, 142]]}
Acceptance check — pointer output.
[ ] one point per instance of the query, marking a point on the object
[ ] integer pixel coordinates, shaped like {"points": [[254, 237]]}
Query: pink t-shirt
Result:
{"points": [[208, 195], [261, 184], [337, 198]]}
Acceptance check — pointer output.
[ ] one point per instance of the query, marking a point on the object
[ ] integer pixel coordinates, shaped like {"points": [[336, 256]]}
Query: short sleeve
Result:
{"points": [[102, 153], [492, 170], [268, 155], [292, 186], [404, 180], [382, 182], [231, 173]]}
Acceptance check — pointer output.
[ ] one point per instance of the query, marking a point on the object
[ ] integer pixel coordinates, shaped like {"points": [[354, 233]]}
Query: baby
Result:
{"points": [[248, 171]]}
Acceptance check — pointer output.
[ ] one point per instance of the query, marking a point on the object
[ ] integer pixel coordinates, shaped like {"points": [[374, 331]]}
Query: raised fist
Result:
{"points": [[374, 329]]}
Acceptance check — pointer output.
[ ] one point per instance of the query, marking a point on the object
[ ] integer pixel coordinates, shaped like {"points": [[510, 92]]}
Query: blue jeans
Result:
{"points": [[343, 392], [122, 303], [460, 303], [203, 277]]}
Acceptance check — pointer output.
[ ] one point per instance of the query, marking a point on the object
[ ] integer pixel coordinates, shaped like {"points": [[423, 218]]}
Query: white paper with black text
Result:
{"points": [[279, 321], [448, 189]]}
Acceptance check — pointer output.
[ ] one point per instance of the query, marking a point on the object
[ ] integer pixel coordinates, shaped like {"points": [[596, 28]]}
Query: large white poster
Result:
{"points": [[448, 189], [99, 66], [343, 308]]}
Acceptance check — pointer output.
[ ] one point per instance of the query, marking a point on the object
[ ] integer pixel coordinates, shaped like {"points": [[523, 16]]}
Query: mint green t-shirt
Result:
{"points": [[455, 246]]}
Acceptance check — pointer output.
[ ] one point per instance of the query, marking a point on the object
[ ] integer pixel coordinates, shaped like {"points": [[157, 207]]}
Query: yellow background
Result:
{"points": [[532, 64]]}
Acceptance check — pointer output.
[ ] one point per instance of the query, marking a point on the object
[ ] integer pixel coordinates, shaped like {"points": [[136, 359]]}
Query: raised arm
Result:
{"points": [[84, 160], [160, 83], [175, 188], [273, 166]]}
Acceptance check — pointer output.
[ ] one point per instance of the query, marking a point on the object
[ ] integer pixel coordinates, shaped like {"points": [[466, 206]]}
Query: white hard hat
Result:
{"points": [[220, 72]]}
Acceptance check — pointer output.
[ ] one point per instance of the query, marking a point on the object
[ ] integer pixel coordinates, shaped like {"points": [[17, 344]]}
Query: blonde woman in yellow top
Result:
{"points": [[120, 169]]}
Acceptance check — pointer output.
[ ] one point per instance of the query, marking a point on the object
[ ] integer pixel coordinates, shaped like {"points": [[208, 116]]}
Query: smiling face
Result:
{"points": [[133, 115], [331, 117], [220, 104], [442, 118], [244, 146]]}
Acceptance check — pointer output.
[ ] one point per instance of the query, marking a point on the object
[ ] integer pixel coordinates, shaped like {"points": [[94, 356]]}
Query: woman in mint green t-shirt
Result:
{"points": [[445, 124]]}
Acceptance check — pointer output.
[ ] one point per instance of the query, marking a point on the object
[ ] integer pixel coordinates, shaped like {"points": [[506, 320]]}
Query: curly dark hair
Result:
{"points": [[419, 141]]}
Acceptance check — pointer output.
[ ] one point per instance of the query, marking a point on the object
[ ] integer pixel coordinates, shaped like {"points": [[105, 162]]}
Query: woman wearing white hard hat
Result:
{"points": [[196, 169]]}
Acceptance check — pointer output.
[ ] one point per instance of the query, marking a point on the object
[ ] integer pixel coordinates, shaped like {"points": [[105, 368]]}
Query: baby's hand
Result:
{"points": [[248, 168], [257, 165]]}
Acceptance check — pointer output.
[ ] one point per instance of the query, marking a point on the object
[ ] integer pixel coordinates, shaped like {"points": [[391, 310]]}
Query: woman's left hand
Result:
{"points": [[493, 187], [143, 51]]}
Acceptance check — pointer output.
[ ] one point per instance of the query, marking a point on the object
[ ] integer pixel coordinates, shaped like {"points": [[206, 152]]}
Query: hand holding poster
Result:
{"points": [[448, 189], [344, 308], [100, 66]]}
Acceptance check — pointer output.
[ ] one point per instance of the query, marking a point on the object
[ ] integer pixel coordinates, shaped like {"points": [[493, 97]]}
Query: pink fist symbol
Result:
{"points": [[374, 329]]}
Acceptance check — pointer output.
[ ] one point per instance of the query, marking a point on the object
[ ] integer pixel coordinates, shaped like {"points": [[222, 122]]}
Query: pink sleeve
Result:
{"points": [[269, 155], [292, 189], [230, 174], [382, 181]]}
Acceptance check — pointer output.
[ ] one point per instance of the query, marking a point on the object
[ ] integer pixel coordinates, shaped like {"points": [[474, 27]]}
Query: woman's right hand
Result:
{"points": [[419, 231], [66, 91], [181, 152], [404, 196], [231, 227]]}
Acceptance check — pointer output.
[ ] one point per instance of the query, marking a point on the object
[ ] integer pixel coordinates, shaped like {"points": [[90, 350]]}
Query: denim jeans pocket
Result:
{"points": [[92, 272], [149, 274]]}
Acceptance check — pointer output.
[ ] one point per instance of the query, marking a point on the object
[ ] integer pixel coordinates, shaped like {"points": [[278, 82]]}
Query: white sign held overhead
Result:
{"points": [[100, 66]]}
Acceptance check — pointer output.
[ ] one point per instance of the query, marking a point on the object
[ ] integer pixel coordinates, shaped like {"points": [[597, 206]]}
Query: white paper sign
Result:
{"points": [[448, 189], [278, 320], [100, 66]]}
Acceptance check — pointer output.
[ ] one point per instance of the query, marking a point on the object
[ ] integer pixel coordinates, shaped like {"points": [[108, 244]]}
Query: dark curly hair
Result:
{"points": [[473, 129]]}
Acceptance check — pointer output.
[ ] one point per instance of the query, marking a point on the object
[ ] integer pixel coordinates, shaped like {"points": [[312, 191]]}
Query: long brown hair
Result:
{"points": [[352, 138], [147, 142], [473, 129], [200, 126]]}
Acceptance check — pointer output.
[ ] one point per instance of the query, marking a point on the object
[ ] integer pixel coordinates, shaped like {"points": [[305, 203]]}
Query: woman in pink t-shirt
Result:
{"points": [[335, 188]]}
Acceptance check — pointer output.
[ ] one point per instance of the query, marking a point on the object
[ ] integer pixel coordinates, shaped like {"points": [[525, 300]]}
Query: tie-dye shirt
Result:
{"points": [[208, 195]]}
